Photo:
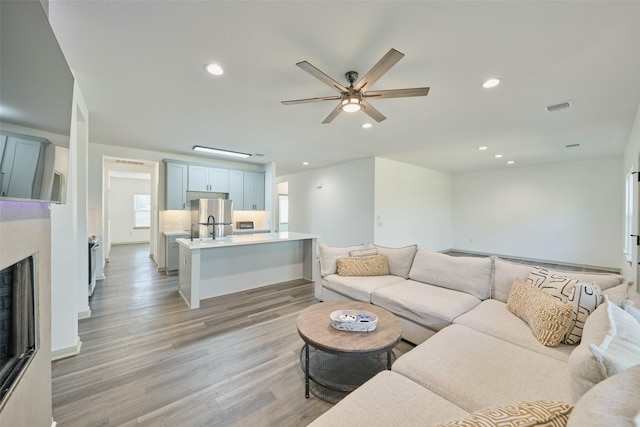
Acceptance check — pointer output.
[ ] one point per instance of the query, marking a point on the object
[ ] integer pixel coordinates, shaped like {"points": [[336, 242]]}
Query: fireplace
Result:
{"points": [[18, 339]]}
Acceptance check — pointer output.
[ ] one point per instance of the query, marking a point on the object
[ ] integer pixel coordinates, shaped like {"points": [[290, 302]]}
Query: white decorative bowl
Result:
{"points": [[353, 320]]}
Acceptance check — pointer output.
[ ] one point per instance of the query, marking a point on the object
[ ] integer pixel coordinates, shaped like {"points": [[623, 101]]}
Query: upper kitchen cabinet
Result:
{"points": [[236, 189], [253, 191], [21, 165], [203, 178], [246, 189], [177, 174]]}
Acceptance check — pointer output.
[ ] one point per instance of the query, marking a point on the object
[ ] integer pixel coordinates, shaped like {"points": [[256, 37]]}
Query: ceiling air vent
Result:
{"points": [[559, 107]]}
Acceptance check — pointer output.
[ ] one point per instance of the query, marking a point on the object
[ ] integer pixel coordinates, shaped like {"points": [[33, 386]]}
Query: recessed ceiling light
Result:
{"points": [[488, 84], [510, 162], [305, 163], [220, 151], [482, 148], [366, 125], [498, 156], [214, 69]]}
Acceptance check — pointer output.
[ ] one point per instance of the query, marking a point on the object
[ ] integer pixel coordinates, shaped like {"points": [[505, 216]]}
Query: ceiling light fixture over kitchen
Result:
{"points": [[366, 125], [498, 156], [220, 151], [214, 69], [488, 84], [484, 147]]}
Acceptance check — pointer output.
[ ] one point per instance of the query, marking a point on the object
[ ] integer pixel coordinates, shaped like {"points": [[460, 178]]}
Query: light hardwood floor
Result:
{"points": [[147, 359]]}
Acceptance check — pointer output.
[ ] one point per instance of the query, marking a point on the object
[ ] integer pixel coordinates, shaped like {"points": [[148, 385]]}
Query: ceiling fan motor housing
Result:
{"points": [[351, 77]]}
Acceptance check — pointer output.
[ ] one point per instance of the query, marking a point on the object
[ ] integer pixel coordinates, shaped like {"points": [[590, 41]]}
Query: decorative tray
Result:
{"points": [[353, 320]]}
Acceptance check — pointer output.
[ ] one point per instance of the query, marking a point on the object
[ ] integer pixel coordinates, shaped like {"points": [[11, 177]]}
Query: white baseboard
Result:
{"points": [[84, 314], [53, 423], [63, 353]]}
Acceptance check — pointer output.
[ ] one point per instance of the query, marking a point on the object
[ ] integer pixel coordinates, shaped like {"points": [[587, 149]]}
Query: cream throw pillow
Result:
{"points": [[526, 414], [548, 318], [620, 348], [376, 265]]}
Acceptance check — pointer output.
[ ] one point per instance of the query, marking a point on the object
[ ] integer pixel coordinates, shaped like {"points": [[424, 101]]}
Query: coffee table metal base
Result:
{"points": [[331, 377]]}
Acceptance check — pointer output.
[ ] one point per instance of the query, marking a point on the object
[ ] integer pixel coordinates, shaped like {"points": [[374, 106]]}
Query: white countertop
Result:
{"points": [[176, 233], [238, 240]]}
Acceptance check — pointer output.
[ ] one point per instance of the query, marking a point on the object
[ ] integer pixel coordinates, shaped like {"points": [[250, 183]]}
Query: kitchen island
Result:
{"points": [[214, 267]]}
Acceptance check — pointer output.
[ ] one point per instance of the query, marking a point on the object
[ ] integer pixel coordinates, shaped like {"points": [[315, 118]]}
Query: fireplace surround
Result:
{"points": [[18, 331]]}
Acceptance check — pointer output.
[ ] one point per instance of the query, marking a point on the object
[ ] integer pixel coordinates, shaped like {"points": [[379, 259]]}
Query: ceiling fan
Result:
{"points": [[356, 96]]}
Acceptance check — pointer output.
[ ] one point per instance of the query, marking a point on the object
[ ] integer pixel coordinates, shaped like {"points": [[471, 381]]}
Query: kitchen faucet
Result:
{"points": [[213, 226]]}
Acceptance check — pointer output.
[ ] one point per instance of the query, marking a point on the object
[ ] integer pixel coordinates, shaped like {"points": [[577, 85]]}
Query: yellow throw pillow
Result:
{"points": [[537, 413], [547, 317], [376, 265]]}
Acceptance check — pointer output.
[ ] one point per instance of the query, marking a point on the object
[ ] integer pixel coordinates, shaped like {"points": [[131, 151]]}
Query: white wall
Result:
{"points": [[123, 229], [340, 212], [630, 160], [566, 212], [412, 205], [69, 243]]}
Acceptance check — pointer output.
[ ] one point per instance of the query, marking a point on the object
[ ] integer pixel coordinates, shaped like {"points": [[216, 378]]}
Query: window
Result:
{"points": [[141, 211], [628, 219]]}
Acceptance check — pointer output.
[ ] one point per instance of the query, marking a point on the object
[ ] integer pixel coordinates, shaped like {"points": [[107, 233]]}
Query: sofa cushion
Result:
{"points": [[548, 318], [610, 402], [540, 413], [389, 399], [505, 272], [474, 370], [492, 317], [620, 293], [329, 254], [471, 275], [376, 265], [430, 306], [584, 369], [400, 259], [358, 288], [620, 348]]}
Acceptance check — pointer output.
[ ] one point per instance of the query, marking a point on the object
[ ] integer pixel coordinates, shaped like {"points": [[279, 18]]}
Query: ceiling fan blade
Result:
{"points": [[372, 112], [333, 114], [322, 76], [387, 61], [397, 93], [303, 101]]}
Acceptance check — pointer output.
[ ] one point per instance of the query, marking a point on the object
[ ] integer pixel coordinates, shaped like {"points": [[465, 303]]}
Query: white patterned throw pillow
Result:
{"points": [[583, 297]]}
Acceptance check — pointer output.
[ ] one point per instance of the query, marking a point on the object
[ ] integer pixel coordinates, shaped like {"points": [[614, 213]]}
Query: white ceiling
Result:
{"points": [[140, 67]]}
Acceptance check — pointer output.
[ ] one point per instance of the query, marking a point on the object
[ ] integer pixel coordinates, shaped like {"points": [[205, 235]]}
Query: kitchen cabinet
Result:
{"points": [[203, 178], [236, 189], [253, 191], [21, 166], [176, 198], [246, 189], [173, 251]]}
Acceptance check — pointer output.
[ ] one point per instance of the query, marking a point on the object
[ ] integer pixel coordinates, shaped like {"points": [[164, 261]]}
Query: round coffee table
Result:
{"points": [[341, 361]]}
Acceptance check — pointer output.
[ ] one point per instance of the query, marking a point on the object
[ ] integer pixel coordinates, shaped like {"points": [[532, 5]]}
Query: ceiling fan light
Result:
{"points": [[351, 105]]}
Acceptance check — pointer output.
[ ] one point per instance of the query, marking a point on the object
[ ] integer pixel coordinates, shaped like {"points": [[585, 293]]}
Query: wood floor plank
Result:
{"points": [[148, 360]]}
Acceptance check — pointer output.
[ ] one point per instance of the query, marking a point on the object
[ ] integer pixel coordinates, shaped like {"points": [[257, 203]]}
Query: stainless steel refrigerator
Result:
{"points": [[211, 216]]}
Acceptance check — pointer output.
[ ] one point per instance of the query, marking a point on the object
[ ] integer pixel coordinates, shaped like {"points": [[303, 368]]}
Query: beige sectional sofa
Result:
{"points": [[472, 353]]}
